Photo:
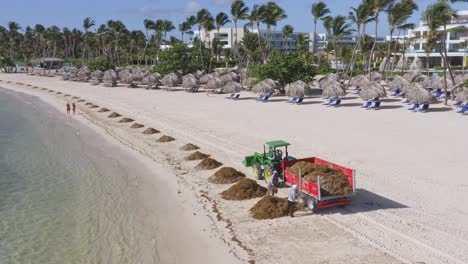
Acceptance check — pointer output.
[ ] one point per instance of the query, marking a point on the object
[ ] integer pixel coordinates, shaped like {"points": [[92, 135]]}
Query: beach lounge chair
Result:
{"points": [[376, 105], [299, 100], [236, 97], [367, 104], [407, 101], [424, 108], [357, 91], [458, 104], [266, 98], [414, 108], [336, 103], [438, 93], [230, 97], [293, 100], [464, 109], [262, 97], [330, 101], [396, 92]]}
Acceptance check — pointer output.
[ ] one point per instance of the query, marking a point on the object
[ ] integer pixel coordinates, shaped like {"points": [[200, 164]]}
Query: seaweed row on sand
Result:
{"points": [[136, 125], [164, 139], [126, 120], [208, 164], [269, 207], [150, 131], [94, 106], [243, 190], [332, 182], [189, 147], [81, 100], [103, 110], [226, 175], [114, 115], [197, 155]]}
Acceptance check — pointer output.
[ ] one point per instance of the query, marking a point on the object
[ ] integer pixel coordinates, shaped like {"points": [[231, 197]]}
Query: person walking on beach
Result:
{"points": [[68, 108], [271, 190], [73, 107], [292, 200]]}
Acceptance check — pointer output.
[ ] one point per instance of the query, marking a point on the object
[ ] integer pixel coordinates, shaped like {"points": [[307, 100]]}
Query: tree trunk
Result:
{"points": [[388, 53], [373, 48], [313, 41]]}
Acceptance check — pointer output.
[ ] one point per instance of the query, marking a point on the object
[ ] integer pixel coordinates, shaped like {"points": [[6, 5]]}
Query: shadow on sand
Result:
{"points": [[383, 107], [364, 201], [440, 109]]}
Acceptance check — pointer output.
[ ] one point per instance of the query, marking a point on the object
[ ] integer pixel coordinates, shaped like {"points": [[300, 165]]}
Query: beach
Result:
{"points": [[410, 174]]}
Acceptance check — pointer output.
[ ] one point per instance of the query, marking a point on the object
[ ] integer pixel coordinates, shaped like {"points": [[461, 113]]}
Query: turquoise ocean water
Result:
{"points": [[63, 197]]}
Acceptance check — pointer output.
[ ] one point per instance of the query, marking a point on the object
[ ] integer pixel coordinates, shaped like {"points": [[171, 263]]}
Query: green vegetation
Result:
{"points": [[101, 64]]}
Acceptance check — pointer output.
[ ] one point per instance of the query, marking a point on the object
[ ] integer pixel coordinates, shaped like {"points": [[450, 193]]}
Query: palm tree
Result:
{"points": [[183, 28], [397, 14], [249, 44], [272, 15], [201, 19], [319, 10], [256, 17], [300, 42], [337, 28], [238, 12], [221, 20], [149, 24], [13, 34], [167, 26], [376, 6], [87, 24], [287, 31]]}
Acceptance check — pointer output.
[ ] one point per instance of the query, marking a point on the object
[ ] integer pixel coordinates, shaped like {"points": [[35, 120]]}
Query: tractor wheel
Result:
{"points": [[257, 170], [267, 173]]}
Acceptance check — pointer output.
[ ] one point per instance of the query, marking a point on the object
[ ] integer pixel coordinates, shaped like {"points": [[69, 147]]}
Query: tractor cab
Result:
{"points": [[275, 150]]}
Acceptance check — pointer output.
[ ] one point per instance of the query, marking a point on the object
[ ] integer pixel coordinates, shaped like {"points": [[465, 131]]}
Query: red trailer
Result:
{"points": [[310, 191]]}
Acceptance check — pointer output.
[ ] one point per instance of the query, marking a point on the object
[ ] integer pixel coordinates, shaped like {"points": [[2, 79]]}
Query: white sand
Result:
{"points": [[411, 171]]}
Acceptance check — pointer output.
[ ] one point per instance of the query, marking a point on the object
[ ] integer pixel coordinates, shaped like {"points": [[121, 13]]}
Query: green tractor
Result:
{"points": [[264, 164]]}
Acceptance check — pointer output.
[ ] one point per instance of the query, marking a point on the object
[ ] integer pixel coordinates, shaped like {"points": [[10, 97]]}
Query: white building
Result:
{"points": [[275, 38], [457, 42]]}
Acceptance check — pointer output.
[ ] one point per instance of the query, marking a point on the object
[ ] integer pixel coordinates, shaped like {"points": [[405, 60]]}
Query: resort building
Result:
{"points": [[276, 38], [457, 42]]}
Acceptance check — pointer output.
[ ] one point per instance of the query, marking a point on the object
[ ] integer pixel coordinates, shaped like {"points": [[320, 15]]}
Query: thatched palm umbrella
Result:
{"points": [[386, 66], [274, 85], [297, 89], [372, 90], [198, 74], [189, 81], [419, 78], [83, 75], [262, 87], [420, 95], [97, 74], [126, 77], [401, 65], [170, 80], [376, 77], [249, 82], [333, 89], [416, 65], [398, 83], [461, 78], [215, 83], [110, 77], [232, 87], [462, 96], [205, 78], [150, 80], [359, 81]]}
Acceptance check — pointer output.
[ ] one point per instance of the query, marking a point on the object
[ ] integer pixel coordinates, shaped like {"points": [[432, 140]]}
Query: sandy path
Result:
{"points": [[409, 165]]}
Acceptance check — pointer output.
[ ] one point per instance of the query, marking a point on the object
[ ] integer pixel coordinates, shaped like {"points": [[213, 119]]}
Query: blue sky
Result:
{"points": [[132, 12]]}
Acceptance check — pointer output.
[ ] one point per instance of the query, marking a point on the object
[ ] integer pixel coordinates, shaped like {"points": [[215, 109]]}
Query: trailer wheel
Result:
{"points": [[311, 202], [257, 170]]}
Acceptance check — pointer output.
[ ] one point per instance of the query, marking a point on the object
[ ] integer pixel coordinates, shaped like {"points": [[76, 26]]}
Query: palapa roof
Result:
{"points": [[262, 87], [215, 83], [372, 90], [189, 81], [170, 80], [333, 89], [420, 95], [232, 87], [359, 81], [297, 89], [462, 96]]}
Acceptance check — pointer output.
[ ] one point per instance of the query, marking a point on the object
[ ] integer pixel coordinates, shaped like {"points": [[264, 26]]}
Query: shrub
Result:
{"points": [[101, 63]]}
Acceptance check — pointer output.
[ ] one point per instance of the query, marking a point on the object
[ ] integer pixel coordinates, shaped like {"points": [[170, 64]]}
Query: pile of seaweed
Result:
{"points": [[136, 125], [208, 164], [226, 175], [114, 115], [332, 182], [94, 106], [269, 207], [150, 131], [126, 120], [243, 190], [197, 155], [103, 110], [189, 147], [165, 139]]}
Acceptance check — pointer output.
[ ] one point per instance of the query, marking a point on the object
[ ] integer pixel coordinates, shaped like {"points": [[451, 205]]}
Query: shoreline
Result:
{"points": [[367, 231]]}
